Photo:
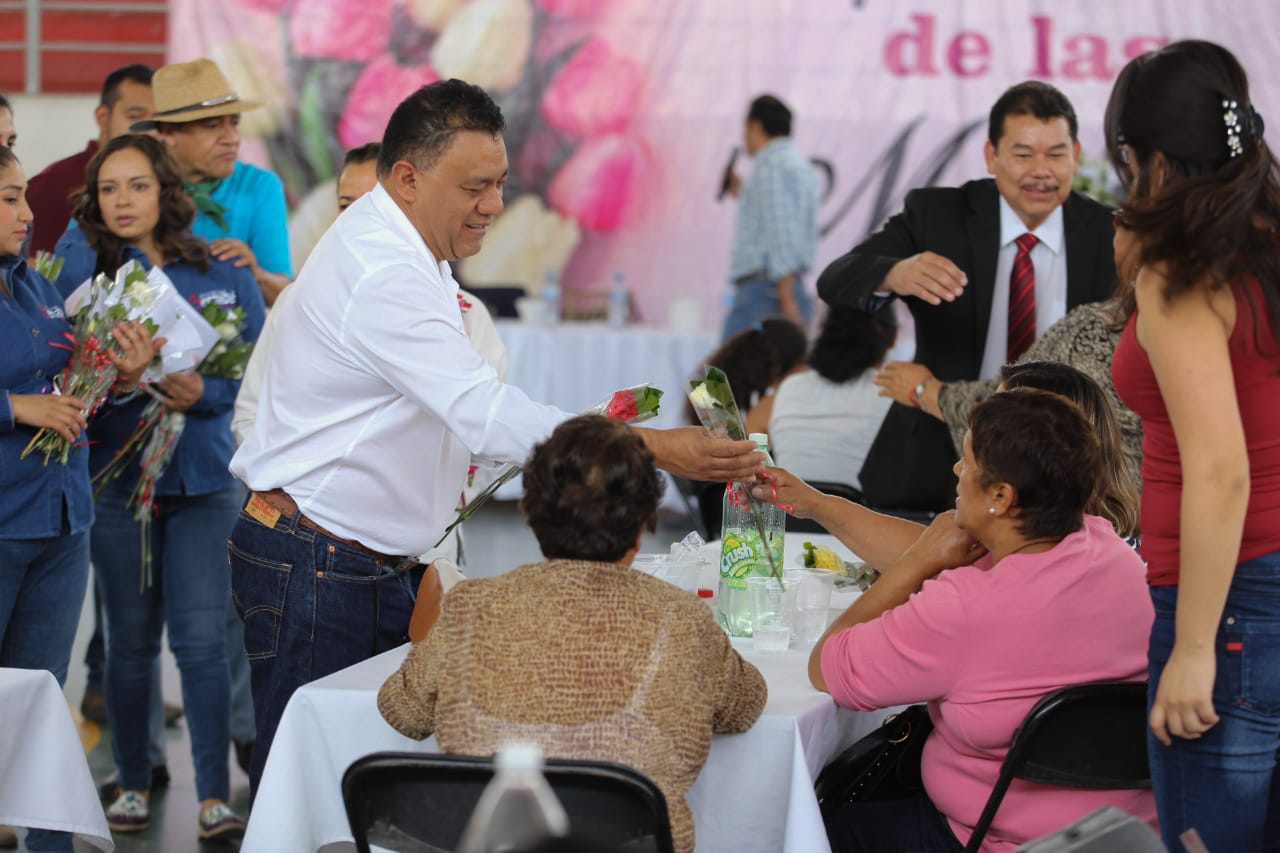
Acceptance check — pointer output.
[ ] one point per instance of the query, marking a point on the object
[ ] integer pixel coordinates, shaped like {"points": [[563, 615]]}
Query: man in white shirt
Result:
{"points": [[373, 403]]}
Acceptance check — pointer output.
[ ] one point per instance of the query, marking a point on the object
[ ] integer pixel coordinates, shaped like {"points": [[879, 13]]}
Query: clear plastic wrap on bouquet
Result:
{"points": [[89, 373]]}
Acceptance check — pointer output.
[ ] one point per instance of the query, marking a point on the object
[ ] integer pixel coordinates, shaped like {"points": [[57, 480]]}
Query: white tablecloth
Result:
{"points": [[44, 777], [576, 365], [755, 794]]}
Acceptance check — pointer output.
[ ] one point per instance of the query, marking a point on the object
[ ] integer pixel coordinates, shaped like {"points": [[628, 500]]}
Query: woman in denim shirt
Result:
{"points": [[135, 208], [45, 509]]}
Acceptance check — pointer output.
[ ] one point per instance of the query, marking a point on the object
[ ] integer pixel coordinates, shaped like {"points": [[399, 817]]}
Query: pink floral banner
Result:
{"points": [[622, 113]]}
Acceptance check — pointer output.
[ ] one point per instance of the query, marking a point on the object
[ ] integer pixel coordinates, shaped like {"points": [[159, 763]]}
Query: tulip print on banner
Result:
{"points": [[333, 71]]}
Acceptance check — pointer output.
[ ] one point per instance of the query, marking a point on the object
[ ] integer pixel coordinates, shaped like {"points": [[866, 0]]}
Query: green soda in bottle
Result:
{"points": [[742, 549]]}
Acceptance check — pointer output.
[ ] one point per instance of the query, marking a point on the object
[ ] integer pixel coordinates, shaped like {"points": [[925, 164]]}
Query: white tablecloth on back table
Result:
{"points": [[44, 777], [754, 795], [576, 365]]}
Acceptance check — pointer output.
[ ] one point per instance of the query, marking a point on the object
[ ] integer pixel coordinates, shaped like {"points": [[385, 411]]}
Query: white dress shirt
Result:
{"points": [[476, 319], [374, 400], [1049, 257]]}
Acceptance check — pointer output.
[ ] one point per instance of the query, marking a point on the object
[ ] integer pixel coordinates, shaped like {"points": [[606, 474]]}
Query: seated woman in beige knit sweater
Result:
{"points": [[580, 653]]}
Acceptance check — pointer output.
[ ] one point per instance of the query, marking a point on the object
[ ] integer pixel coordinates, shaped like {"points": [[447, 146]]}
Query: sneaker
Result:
{"points": [[8, 838], [129, 813], [220, 823], [109, 790]]}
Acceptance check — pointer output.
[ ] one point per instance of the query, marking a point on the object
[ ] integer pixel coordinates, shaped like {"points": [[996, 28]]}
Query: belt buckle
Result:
{"points": [[405, 564]]}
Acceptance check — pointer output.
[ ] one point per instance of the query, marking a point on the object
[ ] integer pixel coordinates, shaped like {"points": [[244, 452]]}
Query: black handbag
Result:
{"points": [[884, 765]]}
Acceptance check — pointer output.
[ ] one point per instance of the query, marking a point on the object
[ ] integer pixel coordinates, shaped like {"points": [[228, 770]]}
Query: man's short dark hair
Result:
{"points": [[424, 124], [136, 73], [590, 489], [361, 154], [773, 115], [1031, 98]]}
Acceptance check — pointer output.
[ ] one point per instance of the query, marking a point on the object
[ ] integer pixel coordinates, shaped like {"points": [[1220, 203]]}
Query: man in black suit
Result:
{"points": [[980, 291]]}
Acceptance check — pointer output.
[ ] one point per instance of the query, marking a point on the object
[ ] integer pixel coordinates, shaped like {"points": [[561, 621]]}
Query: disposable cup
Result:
{"points": [[769, 605], [812, 605]]}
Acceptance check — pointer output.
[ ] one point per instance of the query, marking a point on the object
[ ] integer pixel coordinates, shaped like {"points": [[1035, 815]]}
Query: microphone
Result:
{"points": [[727, 179]]}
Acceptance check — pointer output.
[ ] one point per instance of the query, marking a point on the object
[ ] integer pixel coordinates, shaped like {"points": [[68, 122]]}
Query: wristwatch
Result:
{"points": [[917, 394]]}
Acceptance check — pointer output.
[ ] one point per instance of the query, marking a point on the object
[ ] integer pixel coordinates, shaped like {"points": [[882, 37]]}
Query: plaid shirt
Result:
{"points": [[777, 228]]}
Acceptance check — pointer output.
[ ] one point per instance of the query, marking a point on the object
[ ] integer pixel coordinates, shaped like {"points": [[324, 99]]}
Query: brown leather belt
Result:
{"points": [[280, 499]]}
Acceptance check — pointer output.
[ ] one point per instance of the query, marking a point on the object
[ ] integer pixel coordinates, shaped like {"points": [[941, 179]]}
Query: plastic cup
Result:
{"points": [[812, 604], [684, 572], [769, 624]]}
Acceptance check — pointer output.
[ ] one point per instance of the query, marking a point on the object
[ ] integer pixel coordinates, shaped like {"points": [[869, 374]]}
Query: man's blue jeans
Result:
{"points": [[311, 606], [757, 300], [1225, 784], [42, 584], [189, 590]]}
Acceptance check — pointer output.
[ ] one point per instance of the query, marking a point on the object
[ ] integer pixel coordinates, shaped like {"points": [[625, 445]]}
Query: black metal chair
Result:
{"points": [[499, 299], [420, 802], [1091, 735], [842, 490]]}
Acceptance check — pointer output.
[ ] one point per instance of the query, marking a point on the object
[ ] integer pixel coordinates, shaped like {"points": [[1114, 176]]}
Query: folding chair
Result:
{"points": [[420, 802], [1091, 735], [499, 299]]}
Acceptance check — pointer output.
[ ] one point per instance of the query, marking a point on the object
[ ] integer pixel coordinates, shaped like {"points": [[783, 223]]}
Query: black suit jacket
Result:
{"points": [[909, 464]]}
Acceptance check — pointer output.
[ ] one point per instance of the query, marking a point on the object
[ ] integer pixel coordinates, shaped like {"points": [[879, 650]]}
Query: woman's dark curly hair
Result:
{"points": [[852, 341], [589, 489], [177, 211]]}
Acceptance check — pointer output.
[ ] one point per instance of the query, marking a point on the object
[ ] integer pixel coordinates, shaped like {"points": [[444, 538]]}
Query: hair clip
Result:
{"points": [[1231, 118]]}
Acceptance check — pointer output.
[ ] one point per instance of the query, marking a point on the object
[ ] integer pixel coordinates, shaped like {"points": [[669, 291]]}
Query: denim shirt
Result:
{"points": [[33, 330], [199, 464]]}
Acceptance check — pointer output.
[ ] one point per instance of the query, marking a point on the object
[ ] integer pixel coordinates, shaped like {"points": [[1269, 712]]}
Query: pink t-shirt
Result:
{"points": [[982, 645]]}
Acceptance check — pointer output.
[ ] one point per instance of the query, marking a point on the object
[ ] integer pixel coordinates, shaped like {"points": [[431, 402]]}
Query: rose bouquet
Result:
{"points": [[48, 265], [89, 373], [630, 405], [712, 400], [155, 438]]}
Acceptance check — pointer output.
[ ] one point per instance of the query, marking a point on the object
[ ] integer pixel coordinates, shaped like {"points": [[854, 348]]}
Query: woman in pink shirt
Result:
{"points": [[1015, 594]]}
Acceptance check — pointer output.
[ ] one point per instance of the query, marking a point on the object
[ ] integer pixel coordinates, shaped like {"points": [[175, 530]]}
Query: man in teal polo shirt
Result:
{"points": [[240, 207]]}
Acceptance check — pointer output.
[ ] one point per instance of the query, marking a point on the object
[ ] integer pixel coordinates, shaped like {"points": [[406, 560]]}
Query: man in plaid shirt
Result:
{"points": [[776, 232]]}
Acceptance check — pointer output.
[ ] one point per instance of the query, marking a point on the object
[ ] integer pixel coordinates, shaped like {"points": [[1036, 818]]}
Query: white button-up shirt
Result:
{"points": [[374, 399], [1049, 258]]}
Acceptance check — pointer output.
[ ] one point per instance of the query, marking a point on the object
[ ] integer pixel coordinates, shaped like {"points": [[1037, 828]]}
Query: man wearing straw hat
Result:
{"points": [[240, 208]]}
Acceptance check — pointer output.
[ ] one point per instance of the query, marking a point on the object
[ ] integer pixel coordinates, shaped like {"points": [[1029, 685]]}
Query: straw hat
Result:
{"points": [[191, 91]]}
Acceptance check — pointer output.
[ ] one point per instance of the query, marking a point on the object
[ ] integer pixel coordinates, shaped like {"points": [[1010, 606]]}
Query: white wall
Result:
{"points": [[51, 127]]}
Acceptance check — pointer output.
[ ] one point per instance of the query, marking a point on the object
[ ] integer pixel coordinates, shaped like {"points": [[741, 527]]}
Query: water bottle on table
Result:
{"points": [[551, 312], [518, 808], [619, 302]]}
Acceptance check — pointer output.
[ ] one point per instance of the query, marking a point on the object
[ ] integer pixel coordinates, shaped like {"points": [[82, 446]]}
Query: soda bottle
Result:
{"points": [[743, 549]]}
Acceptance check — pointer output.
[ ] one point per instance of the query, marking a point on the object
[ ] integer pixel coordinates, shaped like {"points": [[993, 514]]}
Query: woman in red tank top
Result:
{"points": [[1199, 362]]}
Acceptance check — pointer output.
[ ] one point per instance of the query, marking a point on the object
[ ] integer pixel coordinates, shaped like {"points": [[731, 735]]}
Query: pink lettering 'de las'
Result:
{"points": [[918, 51]]}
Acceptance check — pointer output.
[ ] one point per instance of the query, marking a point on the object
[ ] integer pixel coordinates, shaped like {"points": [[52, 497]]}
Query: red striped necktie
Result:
{"points": [[1022, 299]]}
